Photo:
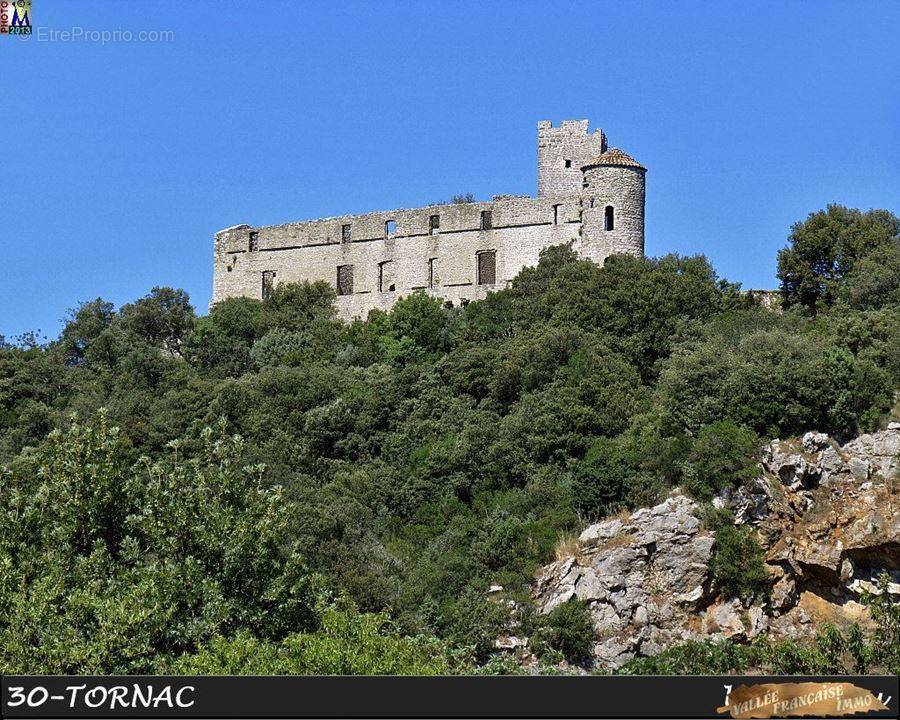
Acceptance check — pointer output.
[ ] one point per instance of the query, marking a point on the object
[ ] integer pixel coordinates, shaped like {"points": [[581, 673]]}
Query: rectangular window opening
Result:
{"points": [[390, 227], [487, 220], [487, 267], [434, 224], [568, 163], [345, 280], [432, 268], [556, 214], [345, 233], [268, 283], [254, 242], [386, 276]]}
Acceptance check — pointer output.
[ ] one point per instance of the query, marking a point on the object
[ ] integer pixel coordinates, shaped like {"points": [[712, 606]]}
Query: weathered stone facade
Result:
{"points": [[588, 195]]}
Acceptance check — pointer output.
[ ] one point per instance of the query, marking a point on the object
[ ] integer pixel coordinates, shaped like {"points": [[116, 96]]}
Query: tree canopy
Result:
{"points": [[253, 487]]}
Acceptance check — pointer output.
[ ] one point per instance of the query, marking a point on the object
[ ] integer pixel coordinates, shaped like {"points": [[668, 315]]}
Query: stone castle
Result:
{"points": [[588, 195]]}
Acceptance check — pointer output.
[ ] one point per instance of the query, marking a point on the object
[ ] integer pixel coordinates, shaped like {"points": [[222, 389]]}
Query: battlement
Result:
{"points": [[562, 151], [456, 251]]}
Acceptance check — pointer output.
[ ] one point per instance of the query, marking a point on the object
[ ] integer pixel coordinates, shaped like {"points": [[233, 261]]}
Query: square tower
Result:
{"points": [[561, 153]]}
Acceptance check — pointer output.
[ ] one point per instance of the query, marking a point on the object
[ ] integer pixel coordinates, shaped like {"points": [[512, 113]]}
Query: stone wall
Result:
{"points": [[621, 188], [442, 262], [562, 151], [383, 256]]}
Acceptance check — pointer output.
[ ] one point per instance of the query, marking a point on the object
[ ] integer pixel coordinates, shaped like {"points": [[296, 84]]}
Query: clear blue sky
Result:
{"points": [[120, 160]]}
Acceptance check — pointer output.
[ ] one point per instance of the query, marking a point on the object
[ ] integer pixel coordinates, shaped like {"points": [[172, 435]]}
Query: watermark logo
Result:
{"points": [[15, 17], [801, 699]]}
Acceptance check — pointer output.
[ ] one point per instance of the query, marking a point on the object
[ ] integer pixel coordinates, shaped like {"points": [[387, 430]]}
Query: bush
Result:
{"points": [[831, 652], [695, 657], [885, 611], [278, 347], [724, 455], [737, 563], [568, 629], [348, 643], [107, 565]]}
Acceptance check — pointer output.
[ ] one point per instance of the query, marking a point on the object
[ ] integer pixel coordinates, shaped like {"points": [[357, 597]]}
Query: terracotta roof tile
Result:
{"points": [[615, 157]]}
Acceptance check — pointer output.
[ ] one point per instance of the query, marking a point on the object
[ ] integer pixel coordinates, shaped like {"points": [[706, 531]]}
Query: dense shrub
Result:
{"points": [[408, 461], [723, 455], [737, 563], [348, 643], [567, 629], [109, 565], [695, 657]]}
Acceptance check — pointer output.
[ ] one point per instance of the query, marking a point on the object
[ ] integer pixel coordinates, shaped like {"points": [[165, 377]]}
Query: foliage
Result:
{"points": [[723, 455], [695, 657], [886, 614], [109, 564], [348, 643], [831, 652], [824, 249], [775, 382], [407, 461], [567, 629], [737, 563]]}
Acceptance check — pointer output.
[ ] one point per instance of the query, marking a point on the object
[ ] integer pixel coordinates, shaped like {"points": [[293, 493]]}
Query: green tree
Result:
{"points": [[874, 281], [108, 565], [83, 326], [825, 247], [164, 319]]}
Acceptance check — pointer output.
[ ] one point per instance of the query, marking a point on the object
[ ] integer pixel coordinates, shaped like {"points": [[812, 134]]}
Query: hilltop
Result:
{"points": [[270, 489]]}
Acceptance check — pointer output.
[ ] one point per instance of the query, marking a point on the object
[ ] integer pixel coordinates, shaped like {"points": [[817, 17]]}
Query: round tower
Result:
{"points": [[612, 201]]}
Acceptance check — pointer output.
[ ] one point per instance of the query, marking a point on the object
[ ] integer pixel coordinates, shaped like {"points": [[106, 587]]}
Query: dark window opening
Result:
{"points": [[568, 163], [432, 266], [390, 227], [268, 283], [608, 218], [487, 220], [556, 214], [345, 280], [386, 276], [487, 267], [254, 242], [345, 233], [434, 224]]}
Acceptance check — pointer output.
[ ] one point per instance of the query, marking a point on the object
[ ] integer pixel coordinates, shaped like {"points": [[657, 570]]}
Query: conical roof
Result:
{"points": [[614, 157]]}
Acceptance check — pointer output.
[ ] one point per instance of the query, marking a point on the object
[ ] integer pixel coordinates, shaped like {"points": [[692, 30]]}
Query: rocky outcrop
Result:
{"points": [[827, 516], [643, 575]]}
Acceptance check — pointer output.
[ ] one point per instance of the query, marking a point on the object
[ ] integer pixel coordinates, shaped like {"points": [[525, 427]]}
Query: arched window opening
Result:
{"points": [[608, 218]]}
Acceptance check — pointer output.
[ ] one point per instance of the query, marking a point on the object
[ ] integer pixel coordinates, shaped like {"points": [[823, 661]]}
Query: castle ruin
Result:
{"points": [[588, 195]]}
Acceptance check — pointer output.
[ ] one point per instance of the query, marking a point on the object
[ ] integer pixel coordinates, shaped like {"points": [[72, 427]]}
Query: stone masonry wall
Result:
{"points": [[521, 228], [571, 142], [623, 189], [436, 249]]}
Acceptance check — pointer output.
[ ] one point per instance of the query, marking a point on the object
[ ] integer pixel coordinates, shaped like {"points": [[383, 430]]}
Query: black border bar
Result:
{"points": [[394, 697]]}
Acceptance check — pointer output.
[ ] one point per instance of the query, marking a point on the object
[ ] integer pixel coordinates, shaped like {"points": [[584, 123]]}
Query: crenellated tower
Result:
{"points": [[562, 150]]}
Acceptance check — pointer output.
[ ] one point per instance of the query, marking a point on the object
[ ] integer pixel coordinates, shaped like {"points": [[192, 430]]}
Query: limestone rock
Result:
{"points": [[724, 619], [827, 516]]}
